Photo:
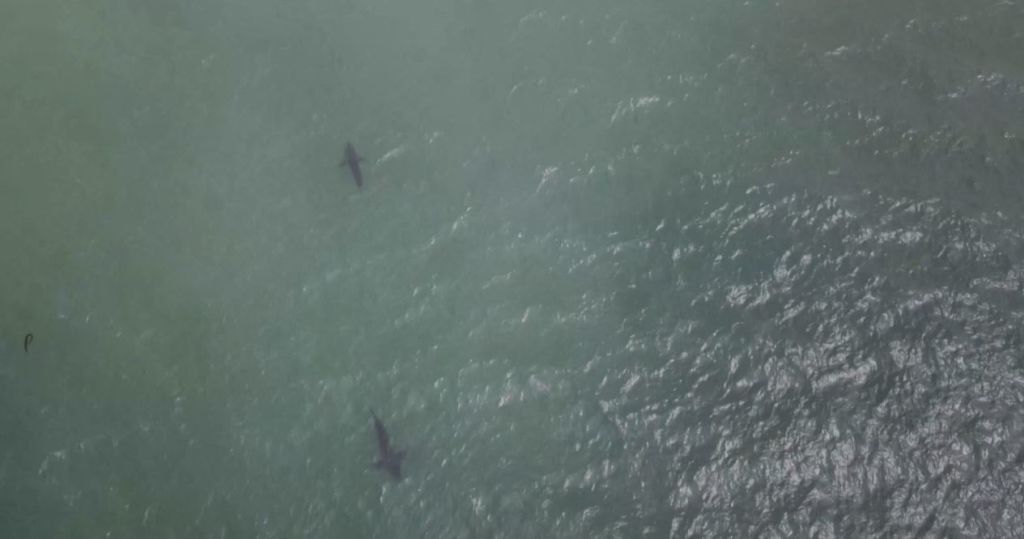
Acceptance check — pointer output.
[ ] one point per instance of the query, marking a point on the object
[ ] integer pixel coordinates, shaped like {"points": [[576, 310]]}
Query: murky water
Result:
{"points": [[654, 269]]}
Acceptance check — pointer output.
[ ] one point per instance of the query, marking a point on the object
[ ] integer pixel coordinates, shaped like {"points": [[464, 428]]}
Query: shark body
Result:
{"points": [[388, 458], [352, 160]]}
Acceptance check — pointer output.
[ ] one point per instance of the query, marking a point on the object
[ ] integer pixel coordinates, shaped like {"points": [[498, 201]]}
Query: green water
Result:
{"points": [[643, 269]]}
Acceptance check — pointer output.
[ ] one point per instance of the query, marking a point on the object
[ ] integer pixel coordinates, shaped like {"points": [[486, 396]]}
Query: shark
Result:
{"points": [[387, 458], [352, 160]]}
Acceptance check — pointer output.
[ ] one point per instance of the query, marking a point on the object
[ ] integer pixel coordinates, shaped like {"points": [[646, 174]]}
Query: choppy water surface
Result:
{"points": [[648, 270]]}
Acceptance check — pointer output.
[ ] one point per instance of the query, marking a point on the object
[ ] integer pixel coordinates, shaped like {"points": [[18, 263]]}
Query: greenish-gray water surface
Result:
{"points": [[619, 269]]}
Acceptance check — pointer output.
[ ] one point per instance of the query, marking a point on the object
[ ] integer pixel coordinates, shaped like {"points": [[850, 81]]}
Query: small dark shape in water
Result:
{"points": [[28, 340], [352, 160], [387, 458]]}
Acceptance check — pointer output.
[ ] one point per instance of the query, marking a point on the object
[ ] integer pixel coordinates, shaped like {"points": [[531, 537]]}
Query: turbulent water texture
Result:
{"points": [[619, 269]]}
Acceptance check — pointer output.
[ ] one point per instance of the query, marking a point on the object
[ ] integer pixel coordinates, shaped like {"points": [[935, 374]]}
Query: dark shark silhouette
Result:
{"points": [[352, 160], [387, 458]]}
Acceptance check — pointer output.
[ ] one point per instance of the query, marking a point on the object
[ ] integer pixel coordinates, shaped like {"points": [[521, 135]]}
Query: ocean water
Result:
{"points": [[619, 269]]}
